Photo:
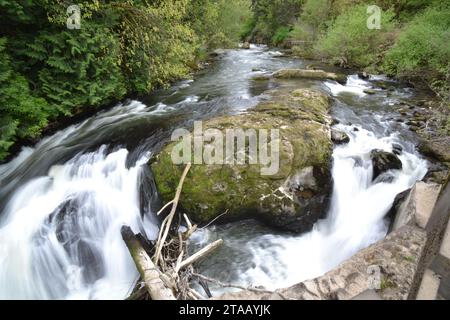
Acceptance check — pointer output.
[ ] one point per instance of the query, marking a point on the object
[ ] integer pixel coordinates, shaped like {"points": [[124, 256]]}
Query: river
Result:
{"points": [[63, 201]]}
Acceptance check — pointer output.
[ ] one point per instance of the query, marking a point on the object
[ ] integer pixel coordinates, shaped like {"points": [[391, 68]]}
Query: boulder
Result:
{"points": [[369, 91], [309, 74], [436, 148], [364, 75], [384, 161], [246, 45], [293, 198], [339, 137], [262, 77]]}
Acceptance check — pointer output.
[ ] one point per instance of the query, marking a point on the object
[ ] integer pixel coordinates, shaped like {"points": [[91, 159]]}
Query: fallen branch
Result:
{"points": [[168, 221], [200, 254], [148, 271]]}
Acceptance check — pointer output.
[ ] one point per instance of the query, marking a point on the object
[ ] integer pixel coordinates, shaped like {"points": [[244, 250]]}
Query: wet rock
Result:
{"points": [[436, 148], [334, 122], [386, 177], [370, 91], [293, 198], [384, 161], [363, 75], [397, 149], [358, 161], [246, 45], [437, 173], [309, 74], [339, 137], [398, 202], [262, 77]]}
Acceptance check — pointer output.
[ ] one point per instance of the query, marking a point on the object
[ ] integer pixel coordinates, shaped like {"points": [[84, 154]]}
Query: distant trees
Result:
{"points": [[412, 41], [123, 46]]}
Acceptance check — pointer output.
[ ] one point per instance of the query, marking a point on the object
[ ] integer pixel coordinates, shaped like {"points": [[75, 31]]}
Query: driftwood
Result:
{"points": [[149, 272], [167, 275], [201, 254]]}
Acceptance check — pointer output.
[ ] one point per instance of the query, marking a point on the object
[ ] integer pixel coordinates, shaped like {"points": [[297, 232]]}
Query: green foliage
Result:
{"points": [[221, 23], [21, 114], [422, 48], [351, 42], [126, 46], [281, 35], [247, 27], [79, 68], [315, 14], [271, 16], [157, 46], [422, 53]]}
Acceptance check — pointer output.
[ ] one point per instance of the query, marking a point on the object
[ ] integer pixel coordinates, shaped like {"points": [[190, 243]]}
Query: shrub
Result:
{"points": [[422, 48], [280, 35], [349, 41], [21, 114]]}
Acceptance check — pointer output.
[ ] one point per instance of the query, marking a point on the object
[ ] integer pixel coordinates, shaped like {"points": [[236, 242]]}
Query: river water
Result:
{"points": [[64, 201]]}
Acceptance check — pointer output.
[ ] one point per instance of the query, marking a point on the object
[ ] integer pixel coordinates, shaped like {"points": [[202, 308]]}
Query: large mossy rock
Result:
{"points": [[309, 74], [292, 199]]}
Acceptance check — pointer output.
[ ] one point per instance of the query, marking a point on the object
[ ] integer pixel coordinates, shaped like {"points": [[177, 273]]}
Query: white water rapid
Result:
{"points": [[60, 234]]}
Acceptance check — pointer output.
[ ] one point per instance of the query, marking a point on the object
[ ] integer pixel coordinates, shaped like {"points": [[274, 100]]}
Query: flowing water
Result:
{"points": [[63, 202]]}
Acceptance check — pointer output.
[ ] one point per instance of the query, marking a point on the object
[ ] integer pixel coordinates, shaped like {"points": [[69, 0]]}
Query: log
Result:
{"points": [[148, 271], [200, 254]]}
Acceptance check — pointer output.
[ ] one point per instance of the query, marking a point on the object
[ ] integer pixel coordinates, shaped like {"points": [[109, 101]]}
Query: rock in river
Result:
{"points": [[339, 137], [293, 198], [384, 161], [309, 74]]}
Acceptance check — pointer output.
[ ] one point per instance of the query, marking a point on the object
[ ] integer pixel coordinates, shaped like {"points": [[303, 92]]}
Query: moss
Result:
{"points": [[210, 190], [387, 284]]}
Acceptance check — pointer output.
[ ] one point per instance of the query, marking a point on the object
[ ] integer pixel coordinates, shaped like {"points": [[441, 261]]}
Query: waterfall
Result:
{"points": [[60, 233]]}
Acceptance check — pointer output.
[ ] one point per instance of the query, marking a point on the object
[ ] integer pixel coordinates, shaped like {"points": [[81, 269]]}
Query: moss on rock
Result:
{"points": [[282, 199], [309, 74]]}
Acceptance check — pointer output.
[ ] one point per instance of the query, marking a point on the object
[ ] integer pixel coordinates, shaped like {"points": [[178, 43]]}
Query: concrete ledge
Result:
{"points": [[429, 287], [418, 206]]}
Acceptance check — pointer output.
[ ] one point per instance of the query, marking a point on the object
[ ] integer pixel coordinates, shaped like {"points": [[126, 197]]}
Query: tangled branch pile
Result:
{"points": [[168, 274]]}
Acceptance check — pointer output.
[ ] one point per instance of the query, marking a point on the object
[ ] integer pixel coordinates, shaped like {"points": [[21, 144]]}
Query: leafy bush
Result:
{"points": [[349, 41], [316, 14], [280, 35], [77, 68], [422, 48], [247, 27], [21, 114]]}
